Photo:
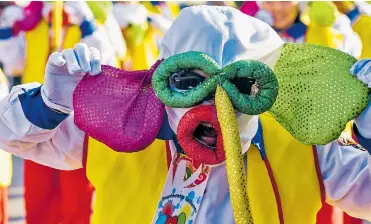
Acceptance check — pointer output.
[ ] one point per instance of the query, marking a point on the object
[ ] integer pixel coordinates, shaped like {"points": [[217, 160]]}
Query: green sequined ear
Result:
{"points": [[267, 84], [188, 60], [317, 95]]}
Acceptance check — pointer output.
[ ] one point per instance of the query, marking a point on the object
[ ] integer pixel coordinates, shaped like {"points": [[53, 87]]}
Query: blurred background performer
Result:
{"points": [[359, 14], [14, 58], [168, 10], [103, 14], [307, 22], [141, 30]]}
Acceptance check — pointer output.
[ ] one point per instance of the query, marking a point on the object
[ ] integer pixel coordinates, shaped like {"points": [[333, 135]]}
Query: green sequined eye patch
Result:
{"points": [[310, 91], [317, 95], [247, 103]]}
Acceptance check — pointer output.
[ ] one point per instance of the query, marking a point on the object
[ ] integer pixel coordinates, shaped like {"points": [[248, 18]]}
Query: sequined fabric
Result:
{"points": [[187, 60], [119, 108], [234, 162], [317, 95], [191, 146], [245, 103], [266, 80]]}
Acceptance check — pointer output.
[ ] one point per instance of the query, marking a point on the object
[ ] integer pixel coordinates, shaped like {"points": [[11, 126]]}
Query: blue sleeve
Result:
{"points": [[165, 133], [155, 3], [353, 14], [366, 143], [6, 33], [87, 28], [37, 112]]}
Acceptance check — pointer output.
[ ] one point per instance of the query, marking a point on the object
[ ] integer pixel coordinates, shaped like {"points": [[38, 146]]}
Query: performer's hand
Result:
{"points": [[64, 71], [362, 69]]}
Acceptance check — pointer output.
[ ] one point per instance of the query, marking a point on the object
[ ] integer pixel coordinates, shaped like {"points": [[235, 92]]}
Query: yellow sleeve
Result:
{"points": [[362, 26]]}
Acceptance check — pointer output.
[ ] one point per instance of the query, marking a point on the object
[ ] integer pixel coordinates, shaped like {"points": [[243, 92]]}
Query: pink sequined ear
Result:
{"points": [[119, 108]]}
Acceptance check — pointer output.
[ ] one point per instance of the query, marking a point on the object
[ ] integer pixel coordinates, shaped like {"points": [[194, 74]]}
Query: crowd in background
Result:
{"points": [[31, 31]]}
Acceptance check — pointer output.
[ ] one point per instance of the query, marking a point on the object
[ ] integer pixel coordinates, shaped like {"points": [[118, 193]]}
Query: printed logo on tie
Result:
{"points": [[183, 191]]}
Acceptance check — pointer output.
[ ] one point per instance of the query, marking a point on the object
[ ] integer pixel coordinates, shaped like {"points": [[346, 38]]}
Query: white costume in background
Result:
{"points": [[14, 59]]}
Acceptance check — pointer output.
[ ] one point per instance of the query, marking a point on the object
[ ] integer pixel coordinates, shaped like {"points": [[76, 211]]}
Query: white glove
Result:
{"points": [[64, 71], [362, 69]]}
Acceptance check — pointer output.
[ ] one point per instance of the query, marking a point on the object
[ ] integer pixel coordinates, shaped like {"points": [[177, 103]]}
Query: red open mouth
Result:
{"points": [[200, 136]]}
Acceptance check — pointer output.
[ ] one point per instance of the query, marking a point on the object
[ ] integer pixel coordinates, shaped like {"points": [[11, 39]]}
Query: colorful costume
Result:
{"points": [[14, 60], [167, 9], [104, 16], [314, 18], [359, 13], [67, 194], [139, 34], [5, 163], [193, 97]]}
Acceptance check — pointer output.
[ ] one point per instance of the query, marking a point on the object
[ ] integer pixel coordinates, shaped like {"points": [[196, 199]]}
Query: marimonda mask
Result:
{"points": [[308, 89]]}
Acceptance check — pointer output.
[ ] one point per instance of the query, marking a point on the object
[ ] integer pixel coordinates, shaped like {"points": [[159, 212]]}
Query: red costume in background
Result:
{"points": [[3, 205], [55, 196]]}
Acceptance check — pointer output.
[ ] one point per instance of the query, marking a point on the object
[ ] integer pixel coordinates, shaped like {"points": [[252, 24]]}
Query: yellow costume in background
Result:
{"points": [[319, 18], [38, 49], [5, 158], [314, 25], [168, 9], [361, 24], [140, 36], [5, 169]]}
